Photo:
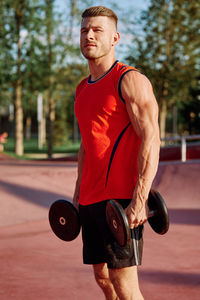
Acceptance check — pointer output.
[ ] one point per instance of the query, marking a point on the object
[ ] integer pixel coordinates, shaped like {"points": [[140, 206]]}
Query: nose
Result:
{"points": [[90, 35]]}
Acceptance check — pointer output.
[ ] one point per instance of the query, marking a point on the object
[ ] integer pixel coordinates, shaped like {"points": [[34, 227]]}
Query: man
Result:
{"points": [[119, 153]]}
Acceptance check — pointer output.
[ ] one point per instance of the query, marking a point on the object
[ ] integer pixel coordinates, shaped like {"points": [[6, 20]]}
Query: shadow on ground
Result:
{"points": [[36, 196], [171, 278]]}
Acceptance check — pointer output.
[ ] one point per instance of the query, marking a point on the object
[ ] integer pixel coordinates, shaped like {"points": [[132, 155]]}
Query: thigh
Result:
{"points": [[129, 275]]}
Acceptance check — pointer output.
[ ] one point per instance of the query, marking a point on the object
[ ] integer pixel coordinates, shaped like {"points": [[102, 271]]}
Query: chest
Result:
{"points": [[98, 100]]}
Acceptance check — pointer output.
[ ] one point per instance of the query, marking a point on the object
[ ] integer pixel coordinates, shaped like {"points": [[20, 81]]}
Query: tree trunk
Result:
{"points": [[19, 147], [50, 100], [175, 127], [43, 131], [163, 117], [163, 112], [28, 128], [51, 119], [73, 8]]}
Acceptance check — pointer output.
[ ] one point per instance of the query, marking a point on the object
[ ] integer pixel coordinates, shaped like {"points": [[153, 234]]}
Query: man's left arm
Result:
{"points": [[143, 112]]}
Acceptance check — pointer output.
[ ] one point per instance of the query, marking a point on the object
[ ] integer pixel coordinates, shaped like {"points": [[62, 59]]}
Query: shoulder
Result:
{"points": [[137, 90], [136, 80], [131, 79]]}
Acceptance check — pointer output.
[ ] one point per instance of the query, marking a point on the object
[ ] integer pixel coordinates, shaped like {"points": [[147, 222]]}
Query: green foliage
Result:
{"points": [[31, 147], [50, 61], [168, 52]]}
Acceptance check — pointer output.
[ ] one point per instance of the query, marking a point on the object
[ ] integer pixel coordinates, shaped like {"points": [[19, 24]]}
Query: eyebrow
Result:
{"points": [[93, 27]]}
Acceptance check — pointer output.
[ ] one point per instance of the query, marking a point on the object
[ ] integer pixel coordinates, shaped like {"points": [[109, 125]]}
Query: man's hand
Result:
{"points": [[137, 213]]}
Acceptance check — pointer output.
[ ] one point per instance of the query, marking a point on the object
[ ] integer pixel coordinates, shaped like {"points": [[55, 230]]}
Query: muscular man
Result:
{"points": [[119, 153]]}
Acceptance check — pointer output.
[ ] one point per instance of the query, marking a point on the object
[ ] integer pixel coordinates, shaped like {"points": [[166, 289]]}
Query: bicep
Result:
{"points": [[141, 104]]}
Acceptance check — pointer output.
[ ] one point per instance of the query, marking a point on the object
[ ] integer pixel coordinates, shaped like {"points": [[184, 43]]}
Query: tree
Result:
{"points": [[168, 51], [18, 17], [12, 22], [6, 59], [30, 41]]}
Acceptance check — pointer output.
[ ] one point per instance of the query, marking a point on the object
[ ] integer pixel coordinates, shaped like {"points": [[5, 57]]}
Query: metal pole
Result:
{"points": [[39, 118], [183, 149]]}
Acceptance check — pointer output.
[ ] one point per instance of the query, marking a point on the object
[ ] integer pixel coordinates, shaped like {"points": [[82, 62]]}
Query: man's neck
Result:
{"points": [[99, 67]]}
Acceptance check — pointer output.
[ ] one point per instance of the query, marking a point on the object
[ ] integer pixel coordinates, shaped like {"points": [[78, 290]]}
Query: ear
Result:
{"points": [[116, 38]]}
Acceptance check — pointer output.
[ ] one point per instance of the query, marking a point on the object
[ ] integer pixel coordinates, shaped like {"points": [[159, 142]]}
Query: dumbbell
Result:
{"points": [[64, 220], [117, 220]]}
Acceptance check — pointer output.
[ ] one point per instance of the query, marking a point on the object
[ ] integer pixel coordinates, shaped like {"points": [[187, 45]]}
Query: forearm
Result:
{"points": [[148, 159]]}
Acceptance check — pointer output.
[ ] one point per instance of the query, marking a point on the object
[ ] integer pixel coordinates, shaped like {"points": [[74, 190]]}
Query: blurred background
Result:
{"points": [[41, 65]]}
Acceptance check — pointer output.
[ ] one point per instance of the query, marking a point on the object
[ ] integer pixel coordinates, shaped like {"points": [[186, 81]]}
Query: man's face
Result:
{"points": [[98, 37]]}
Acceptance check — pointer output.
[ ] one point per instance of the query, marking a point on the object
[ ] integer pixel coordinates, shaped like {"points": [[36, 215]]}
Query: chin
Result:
{"points": [[90, 56]]}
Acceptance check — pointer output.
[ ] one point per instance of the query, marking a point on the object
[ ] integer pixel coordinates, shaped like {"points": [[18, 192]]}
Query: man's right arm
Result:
{"points": [[81, 154]]}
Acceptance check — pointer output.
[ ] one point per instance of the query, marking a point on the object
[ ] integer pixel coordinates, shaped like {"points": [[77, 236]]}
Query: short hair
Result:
{"points": [[96, 11]]}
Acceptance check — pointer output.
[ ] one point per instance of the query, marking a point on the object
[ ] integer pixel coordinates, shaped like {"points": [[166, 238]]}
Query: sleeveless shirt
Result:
{"points": [[110, 142]]}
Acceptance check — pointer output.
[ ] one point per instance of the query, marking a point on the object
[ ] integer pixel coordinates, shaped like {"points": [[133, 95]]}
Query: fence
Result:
{"points": [[183, 143]]}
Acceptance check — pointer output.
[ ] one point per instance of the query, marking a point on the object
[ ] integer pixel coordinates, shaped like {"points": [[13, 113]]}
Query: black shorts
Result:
{"points": [[99, 245]]}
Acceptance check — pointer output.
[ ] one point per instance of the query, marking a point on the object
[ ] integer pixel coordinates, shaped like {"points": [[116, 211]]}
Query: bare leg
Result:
{"points": [[102, 278], [125, 282]]}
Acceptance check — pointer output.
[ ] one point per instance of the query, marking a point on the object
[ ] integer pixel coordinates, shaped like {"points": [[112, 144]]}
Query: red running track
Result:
{"points": [[37, 265]]}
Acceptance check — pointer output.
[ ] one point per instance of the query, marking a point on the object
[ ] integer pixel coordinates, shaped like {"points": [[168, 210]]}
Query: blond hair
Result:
{"points": [[96, 11]]}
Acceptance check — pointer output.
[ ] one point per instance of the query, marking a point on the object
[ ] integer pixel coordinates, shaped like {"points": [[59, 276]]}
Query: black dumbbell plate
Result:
{"points": [[64, 220], [160, 221], [118, 222]]}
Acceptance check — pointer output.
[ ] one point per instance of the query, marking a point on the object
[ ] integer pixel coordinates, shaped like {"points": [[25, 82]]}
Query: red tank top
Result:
{"points": [[110, 142]]}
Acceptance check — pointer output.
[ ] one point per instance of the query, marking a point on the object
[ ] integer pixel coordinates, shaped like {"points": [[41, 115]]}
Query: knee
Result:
{"points": [[118, 283], [125, 282]]}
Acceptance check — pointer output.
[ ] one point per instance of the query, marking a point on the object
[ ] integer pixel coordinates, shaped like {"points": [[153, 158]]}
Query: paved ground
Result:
{"points": [[37, 265]]}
